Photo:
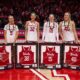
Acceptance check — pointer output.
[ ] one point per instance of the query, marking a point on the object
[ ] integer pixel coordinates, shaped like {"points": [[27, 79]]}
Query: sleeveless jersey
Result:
{"points": [[32, 31], [4, 56], [73, 56], [50, 56], [26, 56], [11, 32], [50, 32], [67, 32]]}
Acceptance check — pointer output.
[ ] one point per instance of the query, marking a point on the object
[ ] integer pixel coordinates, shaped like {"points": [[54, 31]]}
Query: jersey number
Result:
{"points": [[26, 58], [32, 28]]}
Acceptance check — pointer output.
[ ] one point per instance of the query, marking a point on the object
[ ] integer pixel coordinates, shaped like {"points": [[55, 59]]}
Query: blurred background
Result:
{"points": [[21, 10]]}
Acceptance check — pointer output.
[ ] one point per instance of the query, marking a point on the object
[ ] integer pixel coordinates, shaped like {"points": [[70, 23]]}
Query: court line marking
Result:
{"points": [[57, 76], [41, 76], [63, 75], [38, 70]]}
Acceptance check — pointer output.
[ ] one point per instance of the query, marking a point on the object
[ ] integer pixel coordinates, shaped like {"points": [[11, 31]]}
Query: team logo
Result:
{"points": [[67, 28], [51, 29], [11, 29], [32, 29]]}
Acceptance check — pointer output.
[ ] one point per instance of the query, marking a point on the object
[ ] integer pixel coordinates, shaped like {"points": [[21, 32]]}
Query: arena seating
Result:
{"points": [[22, 9]]}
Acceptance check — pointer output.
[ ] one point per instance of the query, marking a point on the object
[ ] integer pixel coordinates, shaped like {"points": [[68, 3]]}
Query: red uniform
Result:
{"points": [[26, 56], [50, 56], [73, 56], [4, 56]]}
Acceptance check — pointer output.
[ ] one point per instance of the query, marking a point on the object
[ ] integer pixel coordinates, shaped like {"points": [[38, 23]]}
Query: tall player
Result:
{"points": [[32, 29], [67, 29], [50, 31], [10, 30]]}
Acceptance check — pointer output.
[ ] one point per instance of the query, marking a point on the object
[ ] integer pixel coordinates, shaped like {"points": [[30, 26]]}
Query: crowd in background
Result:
{"points": [[21, 10]]}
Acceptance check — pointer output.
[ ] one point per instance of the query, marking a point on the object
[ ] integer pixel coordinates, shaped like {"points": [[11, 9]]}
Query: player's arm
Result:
{"points": [[38, 26], [57, 33], [5, 37], [44, 32], [26, 30], [5, 32], [60, 31], [16, 35], [74, 31]]}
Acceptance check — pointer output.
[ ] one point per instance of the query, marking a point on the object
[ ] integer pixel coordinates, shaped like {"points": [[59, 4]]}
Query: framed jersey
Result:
{"points": [[6, 61], [71, 56], [50, 55], [26, 55]]}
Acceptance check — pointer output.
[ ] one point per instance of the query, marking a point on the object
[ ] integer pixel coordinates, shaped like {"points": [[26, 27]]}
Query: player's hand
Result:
{"points": [[77, 41], [62, 41], [5, 42], [15, 41], [25, 41], [38, 41], [13, 44]]}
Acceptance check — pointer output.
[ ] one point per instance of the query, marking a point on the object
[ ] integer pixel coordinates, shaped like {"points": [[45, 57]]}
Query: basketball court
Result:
{"points": [[39, 74]]}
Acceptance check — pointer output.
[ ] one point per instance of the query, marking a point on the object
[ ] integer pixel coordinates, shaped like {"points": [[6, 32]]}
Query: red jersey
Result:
{"points": [[73, 56], [50, 56], [26, 56], [4, 56]]}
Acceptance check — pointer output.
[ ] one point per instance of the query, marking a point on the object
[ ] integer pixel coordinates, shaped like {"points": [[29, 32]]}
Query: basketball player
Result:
{"points": [[32, 29], [67, 29], [10, 31], [50, 31]]}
